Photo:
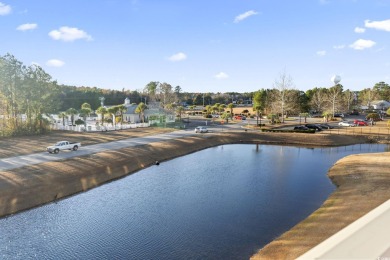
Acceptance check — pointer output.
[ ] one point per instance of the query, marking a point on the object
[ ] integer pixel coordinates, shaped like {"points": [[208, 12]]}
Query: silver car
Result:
{"points": [[201, 129], [346, 123]]}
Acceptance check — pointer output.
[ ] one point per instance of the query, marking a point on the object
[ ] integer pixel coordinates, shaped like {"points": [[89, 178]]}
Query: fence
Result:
{"points": [[365, 130], [94, 128]]}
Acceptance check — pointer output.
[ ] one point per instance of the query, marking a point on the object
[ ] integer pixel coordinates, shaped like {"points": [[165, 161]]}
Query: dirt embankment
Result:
{"points": [[362, 184]]}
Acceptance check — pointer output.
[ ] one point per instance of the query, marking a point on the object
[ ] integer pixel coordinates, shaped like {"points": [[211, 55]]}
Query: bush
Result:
{"points": [[79, 122], [374, 116]]}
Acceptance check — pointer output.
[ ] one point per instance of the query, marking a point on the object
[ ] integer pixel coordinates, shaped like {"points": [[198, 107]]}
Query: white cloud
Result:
{"points": [[378, 25], [245, 15], [221, 75], [321, 53], [27, 26], [359, 30], [178, 57], [339, 47], [4, 9], [362, 44], [55, 63], [69, 34]]}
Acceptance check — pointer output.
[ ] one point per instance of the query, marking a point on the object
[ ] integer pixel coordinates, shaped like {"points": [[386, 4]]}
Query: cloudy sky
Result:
{"points": [[201, 45]]}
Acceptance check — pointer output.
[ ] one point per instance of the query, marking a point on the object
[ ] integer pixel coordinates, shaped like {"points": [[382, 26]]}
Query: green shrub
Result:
{"points": [[374, 116], [79, 122]]}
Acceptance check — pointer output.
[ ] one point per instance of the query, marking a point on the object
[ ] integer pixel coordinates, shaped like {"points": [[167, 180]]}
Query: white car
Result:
{"points": [[63, 145], [346, 123], [201, 129]]}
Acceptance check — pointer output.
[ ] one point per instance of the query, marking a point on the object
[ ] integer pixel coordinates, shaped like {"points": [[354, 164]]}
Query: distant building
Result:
{"points": [[380, 104], [130, 116], [377, 105], [153, 110]]}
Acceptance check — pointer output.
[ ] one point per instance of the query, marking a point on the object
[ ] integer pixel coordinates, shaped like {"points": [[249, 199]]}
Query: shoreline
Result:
{"points": [[32, 186], [360, 189]]}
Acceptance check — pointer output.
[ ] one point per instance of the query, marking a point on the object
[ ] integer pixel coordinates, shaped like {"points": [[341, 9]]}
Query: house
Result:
{"points": [[154, 111], [156, 114], [380, 104], [130, 116]]}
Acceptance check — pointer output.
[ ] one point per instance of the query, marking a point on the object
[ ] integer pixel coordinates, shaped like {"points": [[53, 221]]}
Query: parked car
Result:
{"points": [[326, 126], [346, 123], [301, 127], [338, 115], [358, 122], [314, 126], [239, 117], [354, 113], [201, 129]]}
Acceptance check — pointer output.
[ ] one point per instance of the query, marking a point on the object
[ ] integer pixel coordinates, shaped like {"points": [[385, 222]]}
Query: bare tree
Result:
{"points": [[283, 85], [318, 100], [334, 98], [348, 98]]}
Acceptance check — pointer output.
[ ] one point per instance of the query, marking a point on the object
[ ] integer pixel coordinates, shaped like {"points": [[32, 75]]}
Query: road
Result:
{"points": [[37, 158]]}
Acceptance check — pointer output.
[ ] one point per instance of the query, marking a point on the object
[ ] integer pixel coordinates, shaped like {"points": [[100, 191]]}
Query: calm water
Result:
{"points": [[221, 203]]}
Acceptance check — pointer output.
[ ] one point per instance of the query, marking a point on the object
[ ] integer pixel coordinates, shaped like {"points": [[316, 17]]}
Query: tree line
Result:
{"points": [[28, 94]]}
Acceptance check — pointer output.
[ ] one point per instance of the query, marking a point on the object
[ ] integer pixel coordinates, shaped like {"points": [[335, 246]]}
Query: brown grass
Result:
{"points": [[33, 144]]}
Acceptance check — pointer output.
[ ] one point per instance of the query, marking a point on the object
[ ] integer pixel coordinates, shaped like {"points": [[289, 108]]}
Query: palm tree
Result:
{"points": [[72, 112], [63, 115], [102, 111], [215, 108], [140, 110], [258, 109], [179, 111], [85, 111], [112, 111], [121, 109], [230, 106], [221, 108]]}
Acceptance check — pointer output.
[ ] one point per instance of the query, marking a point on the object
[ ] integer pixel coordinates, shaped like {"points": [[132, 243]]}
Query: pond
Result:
{"points": [[224, 202]]}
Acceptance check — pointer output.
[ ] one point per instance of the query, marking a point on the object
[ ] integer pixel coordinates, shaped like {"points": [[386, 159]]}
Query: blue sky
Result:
{"points": [[199, 45]]}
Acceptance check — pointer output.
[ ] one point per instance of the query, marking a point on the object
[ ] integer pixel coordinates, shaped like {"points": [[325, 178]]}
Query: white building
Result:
{"points": [[380, 104]]}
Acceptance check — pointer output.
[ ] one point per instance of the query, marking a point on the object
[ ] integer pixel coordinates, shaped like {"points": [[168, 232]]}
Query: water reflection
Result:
{"points": [[220, 203]]}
